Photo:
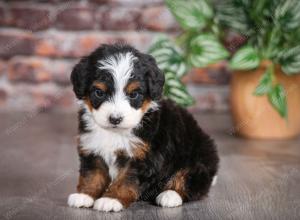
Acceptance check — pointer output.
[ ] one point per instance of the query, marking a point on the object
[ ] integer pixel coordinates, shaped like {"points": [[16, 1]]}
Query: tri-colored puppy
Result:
{"points": [[133, 145]]}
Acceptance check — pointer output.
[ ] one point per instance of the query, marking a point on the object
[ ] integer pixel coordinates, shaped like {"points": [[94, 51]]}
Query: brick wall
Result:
{"points": [[41, 40]]}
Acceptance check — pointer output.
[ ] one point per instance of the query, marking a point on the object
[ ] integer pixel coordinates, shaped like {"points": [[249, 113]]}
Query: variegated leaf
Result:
{"points": [[205, 50], [191, 14], [175, 90], [290, 60], [278, 99], [168, 56], [231, 15], [245, 58], [288, 14], [265, 83]]}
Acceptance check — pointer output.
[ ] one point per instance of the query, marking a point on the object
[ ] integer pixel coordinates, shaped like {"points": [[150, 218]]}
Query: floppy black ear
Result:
{"points": [[155, 78], [79, 78]]}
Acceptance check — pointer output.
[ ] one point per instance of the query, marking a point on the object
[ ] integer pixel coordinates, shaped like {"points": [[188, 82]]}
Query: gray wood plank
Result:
{"points": [[38, 170]]}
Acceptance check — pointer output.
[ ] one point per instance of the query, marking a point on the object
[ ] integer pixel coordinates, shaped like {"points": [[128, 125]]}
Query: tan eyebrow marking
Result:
{"points": [[100, 85], [132, 86]]}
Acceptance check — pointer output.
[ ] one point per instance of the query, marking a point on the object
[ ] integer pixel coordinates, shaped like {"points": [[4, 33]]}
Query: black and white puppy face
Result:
{"points": [[118, 84]]}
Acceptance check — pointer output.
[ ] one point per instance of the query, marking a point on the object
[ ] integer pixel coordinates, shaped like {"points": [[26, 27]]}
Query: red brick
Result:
{"points": [[61, 71], [213, 74], [209, 98], [2, 67], [57, 1], [52, 97], [3, 97], [129, 2], [57, 44], [3, 16], [29, 18], [101, 2], [24, 97], [158, 18], [234, 41], [16, 43], [76, 45], [38, 70], [27, 70], [118, 18], [66, 99], [76, 18]]}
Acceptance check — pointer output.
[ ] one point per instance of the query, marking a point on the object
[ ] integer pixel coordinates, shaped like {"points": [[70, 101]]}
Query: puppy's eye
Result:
{"points": [[99, 93], [133, 95]]}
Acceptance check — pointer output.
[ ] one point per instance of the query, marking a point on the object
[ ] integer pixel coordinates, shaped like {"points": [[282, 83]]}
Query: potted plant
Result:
{"points": [[265, 87], [198, 45]]}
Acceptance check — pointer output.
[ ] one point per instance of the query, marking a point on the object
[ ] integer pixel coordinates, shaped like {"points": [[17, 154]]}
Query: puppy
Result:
{"points": [[133, 145]]}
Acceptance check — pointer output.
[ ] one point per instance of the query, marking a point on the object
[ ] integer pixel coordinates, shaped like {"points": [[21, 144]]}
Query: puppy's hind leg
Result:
{"points": [[169, 198], [185, 185], [174, 192], [198, 182]]}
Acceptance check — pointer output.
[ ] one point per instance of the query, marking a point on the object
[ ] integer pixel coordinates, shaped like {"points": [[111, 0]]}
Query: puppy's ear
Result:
{"points": [[79, 78], [155, 78]]}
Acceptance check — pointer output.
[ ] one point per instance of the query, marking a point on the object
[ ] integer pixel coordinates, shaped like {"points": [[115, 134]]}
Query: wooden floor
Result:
{"points": [[38, 170]]}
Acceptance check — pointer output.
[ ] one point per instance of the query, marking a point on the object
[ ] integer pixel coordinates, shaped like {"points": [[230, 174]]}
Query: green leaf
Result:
{"points": [[231, 14], [245, 58], [287, 13], [168, 56], [175, 90], [205, 49], [191, 14], [265, 83], [290, 60], [170, 60], [277, 97]]}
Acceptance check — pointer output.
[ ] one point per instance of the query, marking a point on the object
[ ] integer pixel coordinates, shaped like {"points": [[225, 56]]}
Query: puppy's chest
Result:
{"points": [[107, 145]]}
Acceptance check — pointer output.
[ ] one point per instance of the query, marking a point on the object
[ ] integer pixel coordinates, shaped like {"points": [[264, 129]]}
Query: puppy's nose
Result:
{"points": [[115, 120]]}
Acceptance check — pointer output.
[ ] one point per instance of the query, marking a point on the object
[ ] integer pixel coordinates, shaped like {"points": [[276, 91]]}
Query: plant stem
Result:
{"points": [[272, 70]]}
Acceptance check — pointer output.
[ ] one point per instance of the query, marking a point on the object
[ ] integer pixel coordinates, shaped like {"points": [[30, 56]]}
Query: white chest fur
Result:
{"points": [[105, 143]]}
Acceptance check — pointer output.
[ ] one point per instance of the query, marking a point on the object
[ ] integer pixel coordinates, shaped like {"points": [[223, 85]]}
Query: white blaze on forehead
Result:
{"points": [[120, 66]]}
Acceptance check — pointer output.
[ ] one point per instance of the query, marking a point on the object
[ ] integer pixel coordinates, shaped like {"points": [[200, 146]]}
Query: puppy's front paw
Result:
{"points": [[169, 198], [108, 204], [80, 200]]}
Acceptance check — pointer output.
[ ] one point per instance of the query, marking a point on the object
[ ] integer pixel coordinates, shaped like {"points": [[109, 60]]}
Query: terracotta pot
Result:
{"points": [[253, 116]]}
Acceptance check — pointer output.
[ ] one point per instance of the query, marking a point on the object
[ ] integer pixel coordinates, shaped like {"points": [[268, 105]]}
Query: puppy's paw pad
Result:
{"points": [[169, 198], [108, 204], [80, 200]]}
